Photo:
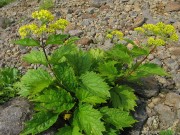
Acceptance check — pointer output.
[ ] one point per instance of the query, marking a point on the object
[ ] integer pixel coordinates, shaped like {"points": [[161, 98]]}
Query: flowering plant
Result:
{"points": [[81, 91]]}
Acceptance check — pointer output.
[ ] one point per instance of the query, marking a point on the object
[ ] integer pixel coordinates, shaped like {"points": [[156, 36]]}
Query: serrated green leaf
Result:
{"points": [[58, 54], [80, 61], [97, 53], [95, 84], [111, 131], [55, 100], [8, 76], [71, 41], [120, 53], [129, 41], [56, 39], [88, 119], [34, 81], [120, 119], [147, 69], [123, 97], [108, 69], [41, 121], [69, 131], [137, 51], [35, 57], [66, 75], [27, 42], [86, 96]]}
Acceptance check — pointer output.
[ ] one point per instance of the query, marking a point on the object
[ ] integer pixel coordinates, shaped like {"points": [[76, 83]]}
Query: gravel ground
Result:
{"points": [[89, 20]]}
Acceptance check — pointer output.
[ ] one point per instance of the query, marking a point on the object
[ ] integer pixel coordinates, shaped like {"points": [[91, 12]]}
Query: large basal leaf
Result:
{"points": [[147, 69], [120, 119], [34, 81], [27, 42], [55, 100], [35, 57], [121, 53], [108, 69], [66, 75], [80, 61], [95, 85], [69, 131], [56, 39], [88, 119], [41, 121], [123, 97], [86, 96], [58, 54]]}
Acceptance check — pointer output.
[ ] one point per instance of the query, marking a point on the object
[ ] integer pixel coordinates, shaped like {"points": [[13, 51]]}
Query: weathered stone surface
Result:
{"points": [[148, 89], [172, 6], [5, 22], [173, 99], [97, 3], [12, 116], [139, 21], [140, 115], [166, 115], [84, 41], [75, 32]]}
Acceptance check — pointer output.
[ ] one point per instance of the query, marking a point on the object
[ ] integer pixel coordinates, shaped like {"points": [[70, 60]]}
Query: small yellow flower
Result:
{"points": [[40, 30], [169, 29], [156, 42], [67, 116], [110, 36], [150, 41], [174, 37], [43, 15], [159, 42], [139, 29], [117, 33]]}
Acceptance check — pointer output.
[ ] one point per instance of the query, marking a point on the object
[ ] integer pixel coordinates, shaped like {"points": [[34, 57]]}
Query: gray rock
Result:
{"points": [[157, 61], [75, 32], [98, 3], [172, 6], [12, 116], [91, 10], [166, 116], [5, 22], [86, 22], [140, 115], [148, 17], [172, 64], [173, 99], [148, 89]]}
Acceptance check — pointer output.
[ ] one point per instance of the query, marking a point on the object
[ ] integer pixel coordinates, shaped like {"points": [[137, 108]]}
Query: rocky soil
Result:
{"points": [[159, 104]]}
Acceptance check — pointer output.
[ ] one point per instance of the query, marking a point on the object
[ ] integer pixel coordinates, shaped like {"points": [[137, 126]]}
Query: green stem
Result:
{"points": [[49, 65], [135, 66], [139, 63]]}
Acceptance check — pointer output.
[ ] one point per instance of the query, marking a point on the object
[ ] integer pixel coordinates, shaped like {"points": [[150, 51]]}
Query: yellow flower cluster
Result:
{"points": [[117, 33], [27, 29], [156, 42], [60, 24], [160, 30], [43, 15]]}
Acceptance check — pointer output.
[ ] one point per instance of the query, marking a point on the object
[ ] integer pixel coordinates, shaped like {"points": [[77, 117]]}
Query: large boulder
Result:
{"points": [[13, 114]]}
